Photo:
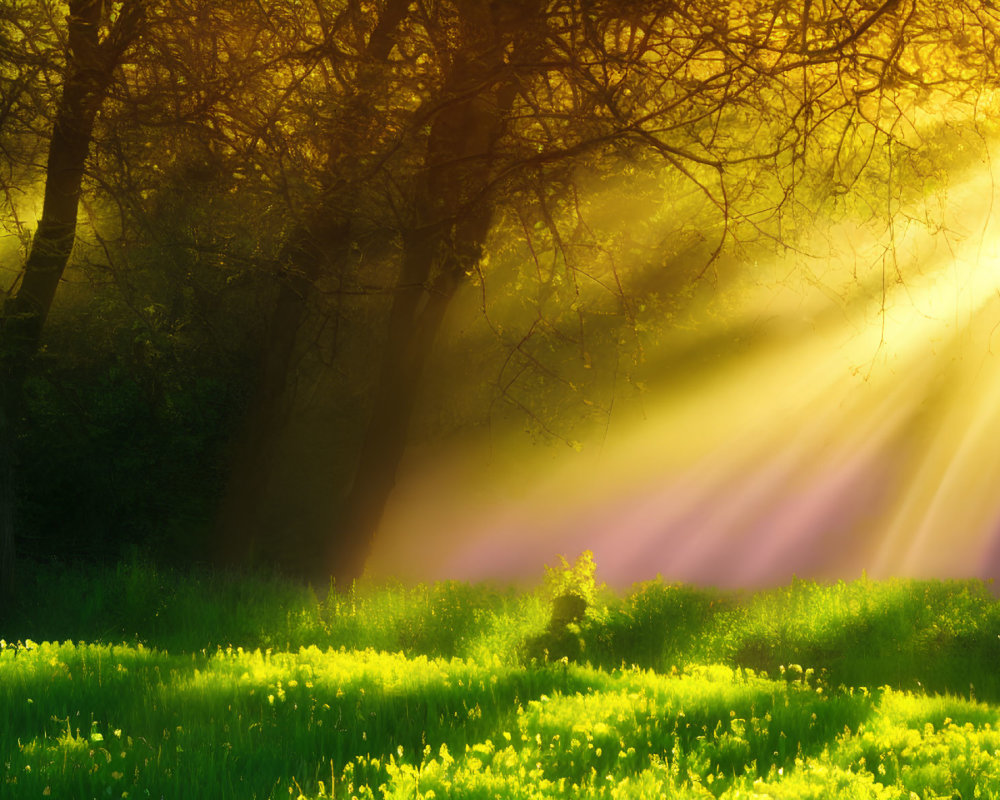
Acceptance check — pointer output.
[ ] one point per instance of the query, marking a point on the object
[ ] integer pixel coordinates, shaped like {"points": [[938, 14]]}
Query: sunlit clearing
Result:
{"points": [[853, 432]]}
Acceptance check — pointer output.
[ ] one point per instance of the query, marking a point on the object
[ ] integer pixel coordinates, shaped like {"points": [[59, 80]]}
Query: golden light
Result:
{"points": [[857, 431]]}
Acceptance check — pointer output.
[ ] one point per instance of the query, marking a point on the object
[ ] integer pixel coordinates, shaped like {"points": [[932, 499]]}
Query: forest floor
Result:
{"points": [[135, 681]]}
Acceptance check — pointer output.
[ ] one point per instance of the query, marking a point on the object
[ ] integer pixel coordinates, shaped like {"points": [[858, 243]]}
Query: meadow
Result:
{"points": [[140, 682]]}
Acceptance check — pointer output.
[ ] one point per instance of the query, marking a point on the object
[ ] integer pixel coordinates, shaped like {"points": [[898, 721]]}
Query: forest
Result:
{"points": [[254, 254], [326, 324]]}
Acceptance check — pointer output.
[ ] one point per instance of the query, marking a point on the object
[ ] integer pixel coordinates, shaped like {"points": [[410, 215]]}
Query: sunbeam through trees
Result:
{"points": [[280, 255]]}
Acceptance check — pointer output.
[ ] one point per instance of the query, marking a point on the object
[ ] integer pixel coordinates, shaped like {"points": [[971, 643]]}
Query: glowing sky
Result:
{"points": [[849, 435]]}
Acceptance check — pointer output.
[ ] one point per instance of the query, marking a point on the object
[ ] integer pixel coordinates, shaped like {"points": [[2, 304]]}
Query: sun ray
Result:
{"points": [[854, 432]]}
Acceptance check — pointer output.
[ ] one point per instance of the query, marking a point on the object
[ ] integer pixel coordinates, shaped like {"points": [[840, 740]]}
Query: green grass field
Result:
{"points": [[135, 682]]}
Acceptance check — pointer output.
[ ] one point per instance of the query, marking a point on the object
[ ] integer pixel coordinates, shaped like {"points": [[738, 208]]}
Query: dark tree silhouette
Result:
{"points": [[98, 35]]}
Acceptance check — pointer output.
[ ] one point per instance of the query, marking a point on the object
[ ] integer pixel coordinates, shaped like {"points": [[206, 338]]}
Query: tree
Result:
{"points": [[97, 37], [769, 110], [442, 244], [442, 178], [318, 243]]}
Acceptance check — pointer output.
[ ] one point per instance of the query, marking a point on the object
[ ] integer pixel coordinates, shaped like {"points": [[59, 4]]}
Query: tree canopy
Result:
{"points": [[283, 198]]}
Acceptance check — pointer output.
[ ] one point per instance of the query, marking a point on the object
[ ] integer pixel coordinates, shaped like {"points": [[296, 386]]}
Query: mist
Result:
{"points": [[819, 416]]}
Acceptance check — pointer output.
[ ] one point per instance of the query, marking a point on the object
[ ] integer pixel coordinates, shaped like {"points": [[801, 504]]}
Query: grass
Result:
{"points": [[150, 683]]}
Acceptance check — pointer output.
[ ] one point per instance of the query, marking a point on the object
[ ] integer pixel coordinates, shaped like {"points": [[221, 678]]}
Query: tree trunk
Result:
{"points": [[453, 215], [415, 318], [238, 529], [314, 247], [90, 65], [24, 314]]}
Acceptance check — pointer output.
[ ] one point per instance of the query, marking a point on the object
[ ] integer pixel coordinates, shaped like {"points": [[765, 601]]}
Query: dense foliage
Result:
{"points": [[180, 685]]}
